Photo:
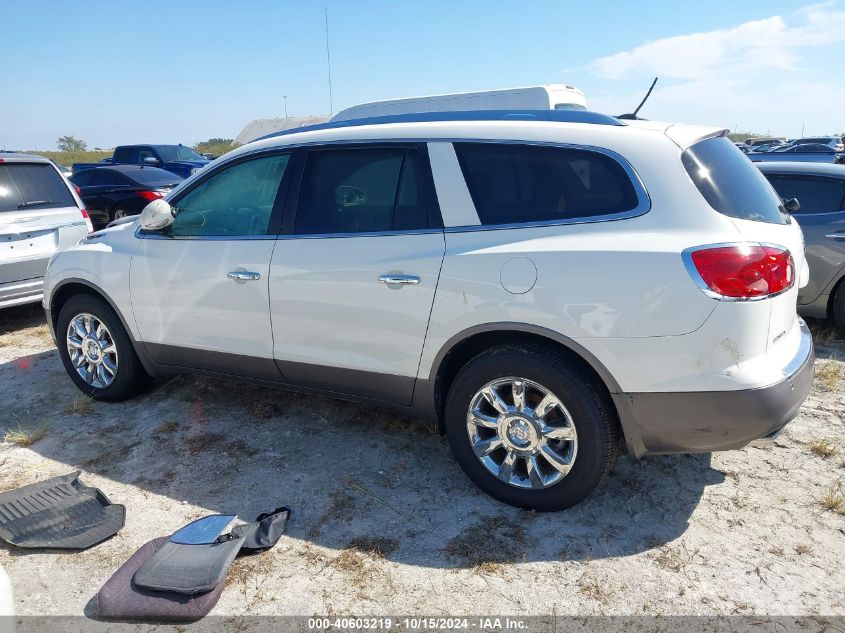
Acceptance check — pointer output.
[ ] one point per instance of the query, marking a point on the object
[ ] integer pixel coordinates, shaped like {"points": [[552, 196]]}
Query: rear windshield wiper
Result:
{"points": [[33, 203]]}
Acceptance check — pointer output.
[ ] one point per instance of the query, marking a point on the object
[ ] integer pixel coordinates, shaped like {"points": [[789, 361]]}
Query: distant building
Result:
{"points": [[263, 127]]}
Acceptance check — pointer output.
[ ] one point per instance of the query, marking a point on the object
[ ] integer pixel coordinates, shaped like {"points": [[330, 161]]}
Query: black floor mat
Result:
{"points": [[60, 513]]}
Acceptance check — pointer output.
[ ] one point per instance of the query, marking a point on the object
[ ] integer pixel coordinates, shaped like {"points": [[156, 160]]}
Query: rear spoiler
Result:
{"points": [[686, 135]]}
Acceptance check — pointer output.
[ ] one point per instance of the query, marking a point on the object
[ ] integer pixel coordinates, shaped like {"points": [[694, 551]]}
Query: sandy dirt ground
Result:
{"points": [[384, 521]]}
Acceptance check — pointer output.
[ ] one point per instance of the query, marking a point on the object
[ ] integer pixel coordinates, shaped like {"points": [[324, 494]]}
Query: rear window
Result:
{"points": [[32, 186], [512, 183], [154, 177], [730, 183]]}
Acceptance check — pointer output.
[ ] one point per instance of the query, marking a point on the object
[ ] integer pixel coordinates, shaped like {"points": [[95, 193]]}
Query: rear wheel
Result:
{"points": [[97, 352], [118, 214], [839, 306], [529, 428]]}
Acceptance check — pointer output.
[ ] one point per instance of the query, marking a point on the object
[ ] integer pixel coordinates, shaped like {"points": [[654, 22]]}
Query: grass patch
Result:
{"points": [[81, 405], [69, 158], [823, 448], [803, 549], [493, 542], [167, 427], [340, 509], [379, 547], [203, 442], [833, 499], [828, 374], [22, 437]]}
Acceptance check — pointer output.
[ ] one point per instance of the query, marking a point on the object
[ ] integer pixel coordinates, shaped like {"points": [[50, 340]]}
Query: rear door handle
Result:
{"points": [[398, 279], [242, 275]]}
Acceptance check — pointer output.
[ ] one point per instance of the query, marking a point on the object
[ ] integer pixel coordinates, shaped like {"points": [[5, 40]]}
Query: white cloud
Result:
{"points": [[753, 75], [739, 51]]}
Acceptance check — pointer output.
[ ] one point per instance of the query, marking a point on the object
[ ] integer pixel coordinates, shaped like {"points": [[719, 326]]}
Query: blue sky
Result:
{"points": [[165, 71]]}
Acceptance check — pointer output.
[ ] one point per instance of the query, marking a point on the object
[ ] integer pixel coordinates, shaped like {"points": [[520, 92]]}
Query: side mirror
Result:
{"points": [[791, 206], [156, 215], [151, 160]]}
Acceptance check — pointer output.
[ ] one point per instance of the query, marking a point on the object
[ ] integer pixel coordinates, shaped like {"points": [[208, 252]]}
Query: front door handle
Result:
{"points": [[242, 275], [839, 236], [398, 279]]}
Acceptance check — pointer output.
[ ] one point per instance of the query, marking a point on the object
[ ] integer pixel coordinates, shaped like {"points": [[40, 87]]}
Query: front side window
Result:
{"points": [[512, 183], [144, 153], [361, 190], [730, 183], [235, 201], [816, 194]]}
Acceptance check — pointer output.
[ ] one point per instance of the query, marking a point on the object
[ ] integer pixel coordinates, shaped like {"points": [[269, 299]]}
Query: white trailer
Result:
{"points": [[548, 97]]}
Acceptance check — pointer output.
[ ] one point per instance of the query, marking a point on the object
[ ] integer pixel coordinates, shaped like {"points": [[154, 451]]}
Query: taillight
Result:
{"points": [[149, 195], [741, 271], [88, 220]]}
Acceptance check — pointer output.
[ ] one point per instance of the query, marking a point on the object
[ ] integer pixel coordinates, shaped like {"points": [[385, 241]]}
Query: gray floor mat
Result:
{"points": [[60, 513]]}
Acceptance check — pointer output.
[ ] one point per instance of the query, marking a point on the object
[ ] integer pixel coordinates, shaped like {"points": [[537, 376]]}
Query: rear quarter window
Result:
{"points": [[26, 186], [730, 183], [513, 183]]}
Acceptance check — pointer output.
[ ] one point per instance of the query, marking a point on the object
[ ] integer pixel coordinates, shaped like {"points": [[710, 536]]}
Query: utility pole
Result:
{"points": [[329, 61], [285, 97]]}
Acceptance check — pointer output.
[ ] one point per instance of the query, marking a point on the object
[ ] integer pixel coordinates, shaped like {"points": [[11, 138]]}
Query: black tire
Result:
{"points": [[838, 306], [113, 215], [130, 377], [587, 402]]}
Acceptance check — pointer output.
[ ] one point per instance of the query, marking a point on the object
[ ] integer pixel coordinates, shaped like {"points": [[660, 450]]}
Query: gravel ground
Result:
{"points": [[384, 521]]}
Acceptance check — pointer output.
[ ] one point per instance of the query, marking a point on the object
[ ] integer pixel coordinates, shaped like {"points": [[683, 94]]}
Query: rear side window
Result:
{"points": [[32, 186], [730, 183], [512, 183], [815, 193], [362, 190], [125, 155]]}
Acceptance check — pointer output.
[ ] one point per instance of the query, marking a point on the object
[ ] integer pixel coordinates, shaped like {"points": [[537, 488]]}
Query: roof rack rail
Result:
{"points": [[561, 116]]}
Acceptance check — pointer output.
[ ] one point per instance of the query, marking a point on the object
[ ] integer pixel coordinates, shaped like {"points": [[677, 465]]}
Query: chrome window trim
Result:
{"points": [[686, 255], [316, 236], [157, 235], [643, 198]]}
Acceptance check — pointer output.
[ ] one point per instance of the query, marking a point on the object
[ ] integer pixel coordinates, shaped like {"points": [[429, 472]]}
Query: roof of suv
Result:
{"points": [[16, 157], [563, 116]]}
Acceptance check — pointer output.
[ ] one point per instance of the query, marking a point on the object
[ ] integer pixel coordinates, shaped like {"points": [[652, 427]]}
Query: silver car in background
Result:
{"points": [[40, 214], [820, 190]]}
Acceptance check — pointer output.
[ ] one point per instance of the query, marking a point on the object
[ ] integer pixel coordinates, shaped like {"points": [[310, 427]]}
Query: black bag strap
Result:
{"points": [[261, 535]]}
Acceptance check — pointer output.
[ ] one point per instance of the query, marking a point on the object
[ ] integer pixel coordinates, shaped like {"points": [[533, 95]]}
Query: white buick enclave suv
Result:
{"points": [[547, 286]]}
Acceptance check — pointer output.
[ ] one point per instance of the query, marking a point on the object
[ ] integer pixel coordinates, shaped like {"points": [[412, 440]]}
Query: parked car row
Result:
{"points": [[823, 149]]}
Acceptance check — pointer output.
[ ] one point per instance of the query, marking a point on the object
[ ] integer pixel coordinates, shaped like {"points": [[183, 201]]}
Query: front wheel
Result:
{"points": [[529, 428], [96, 351]]}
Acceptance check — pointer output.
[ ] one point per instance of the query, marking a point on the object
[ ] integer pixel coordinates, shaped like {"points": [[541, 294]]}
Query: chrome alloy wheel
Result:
{"points": [[92, 350], [522, 433]]}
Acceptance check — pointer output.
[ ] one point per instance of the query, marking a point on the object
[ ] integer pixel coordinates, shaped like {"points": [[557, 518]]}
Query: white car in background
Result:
{"points": [[40, 214], [546, 287], [546, 97]]}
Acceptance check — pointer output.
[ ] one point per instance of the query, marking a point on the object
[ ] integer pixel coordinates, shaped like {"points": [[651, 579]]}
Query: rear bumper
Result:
{"points": [[701, 422], [21, 292]]}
